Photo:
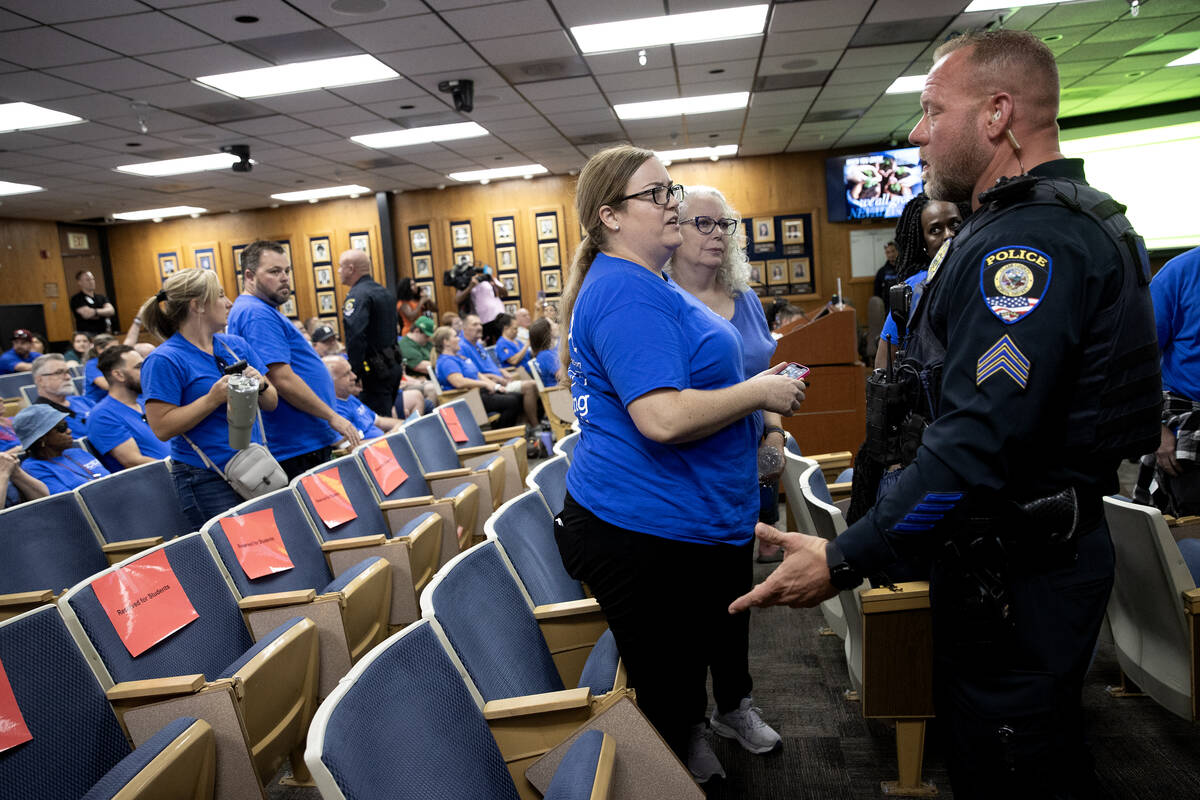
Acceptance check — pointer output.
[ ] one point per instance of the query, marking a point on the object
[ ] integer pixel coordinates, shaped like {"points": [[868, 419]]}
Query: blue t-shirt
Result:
{"points": [[290, 431], [917, 282], [448, 364], [506, 349], [179, 373], [91, 391], [1176, 294], [633, 332], [758, 344], [73, 468], [547, 364], [362, 417], [477, 356], [10, 358], [112, 423]]}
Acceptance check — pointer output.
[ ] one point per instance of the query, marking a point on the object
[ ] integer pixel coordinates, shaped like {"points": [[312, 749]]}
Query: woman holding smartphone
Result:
{"points": [[662, 489]]}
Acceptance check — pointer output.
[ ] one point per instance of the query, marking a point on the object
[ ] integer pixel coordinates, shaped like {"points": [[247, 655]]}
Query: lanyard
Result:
{"points": [[76, 467]]}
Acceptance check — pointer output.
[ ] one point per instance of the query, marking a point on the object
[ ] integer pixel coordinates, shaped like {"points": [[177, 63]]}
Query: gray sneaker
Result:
{"points": [[701, 760], [747, 727]]}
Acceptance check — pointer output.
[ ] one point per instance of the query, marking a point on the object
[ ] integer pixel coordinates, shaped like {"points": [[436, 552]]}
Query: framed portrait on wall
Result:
{"points": [[511, 308], [506, 258], [323, 276], [425, 289], [360, 241], [205, 258], [547, 227], [419, 238], [423, 266], [168, 263], [321, 253], [289, 307], [460, 234], [756, 273], [548, 254], [763, 229], [777, 271], [552, 281], [237, 261], [326, 303], [793, 231], [799, 271], [503, 231], [464, 258], [511, 284]]}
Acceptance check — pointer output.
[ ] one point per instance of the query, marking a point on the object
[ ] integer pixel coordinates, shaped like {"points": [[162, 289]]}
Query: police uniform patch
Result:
{"points": [[1004, 357], [348, 307], [1013, 280]]}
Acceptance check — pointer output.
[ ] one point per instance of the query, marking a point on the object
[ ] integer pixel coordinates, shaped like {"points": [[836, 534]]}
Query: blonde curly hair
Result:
{"points": [[734, 272]]}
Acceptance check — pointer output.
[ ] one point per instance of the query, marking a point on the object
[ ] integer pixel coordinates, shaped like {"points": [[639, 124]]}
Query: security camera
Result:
{"points": [[463, 92], [242, 151]]}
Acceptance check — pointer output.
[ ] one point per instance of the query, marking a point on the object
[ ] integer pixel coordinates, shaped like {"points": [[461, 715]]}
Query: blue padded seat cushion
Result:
{"points": [[551, 481], [341, 581], [517, 440], [135, 762], [845, 476], [143, 500], [413, 524], [601, 667], [432, 444], [820, 489], [576, 773], [309, 571], [408, 729], [526, 530], [47, 545], [259, 646]]}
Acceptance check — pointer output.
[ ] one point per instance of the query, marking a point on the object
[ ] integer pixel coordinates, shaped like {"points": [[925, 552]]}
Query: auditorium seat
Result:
{"points": [[258, 697], [26, 392], [565, 446], [479, 444], [412, 546], [556, 403], [140, 498], [351, 612], [77, 746], [524, 526], [406, 725], [435, 450], [550, 478]]}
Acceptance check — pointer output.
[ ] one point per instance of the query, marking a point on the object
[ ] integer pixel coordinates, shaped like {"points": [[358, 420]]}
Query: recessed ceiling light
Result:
{"points": [[667, 156], [1183, 61], [26, 117], [704, 104], [907, 84], [697, 26], [133, 144], [7, 188], [355, 7], [303, 76], [1054, 37], [321, 194], [411, 136], [499, 172], [159, 213], [717, 71], [179, 166]]}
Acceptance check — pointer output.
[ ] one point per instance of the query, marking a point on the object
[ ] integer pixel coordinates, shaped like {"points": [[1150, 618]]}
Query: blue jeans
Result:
{"points": [[1190, 550], [203, 493]]}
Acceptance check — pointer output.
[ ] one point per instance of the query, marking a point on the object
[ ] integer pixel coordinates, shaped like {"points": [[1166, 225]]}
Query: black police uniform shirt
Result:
{"points": [[1011, 304], [94, 325], [369, 315]]}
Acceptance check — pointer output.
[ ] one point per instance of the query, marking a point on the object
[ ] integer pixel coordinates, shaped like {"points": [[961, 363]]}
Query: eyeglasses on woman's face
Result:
{"points": [[706, 224], [61, 427], [659, 195]]}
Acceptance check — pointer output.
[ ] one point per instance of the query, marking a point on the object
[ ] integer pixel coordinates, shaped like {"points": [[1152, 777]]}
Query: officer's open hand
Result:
{"points": [[800, 581], [346, 428]]}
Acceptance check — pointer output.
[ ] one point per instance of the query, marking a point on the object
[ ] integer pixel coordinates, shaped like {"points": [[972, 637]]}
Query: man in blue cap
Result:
{"points": [[20, 357]]}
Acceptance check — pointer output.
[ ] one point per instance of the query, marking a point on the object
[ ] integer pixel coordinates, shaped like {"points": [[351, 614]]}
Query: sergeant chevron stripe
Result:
{"points": [[1005, 357]]}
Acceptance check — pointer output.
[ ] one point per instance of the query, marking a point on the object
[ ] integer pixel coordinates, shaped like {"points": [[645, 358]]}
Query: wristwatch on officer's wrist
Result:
{"points": [[841, 574]]}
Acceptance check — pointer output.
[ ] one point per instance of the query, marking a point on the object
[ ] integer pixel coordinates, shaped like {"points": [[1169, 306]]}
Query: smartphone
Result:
{"points": [[795, 371]]}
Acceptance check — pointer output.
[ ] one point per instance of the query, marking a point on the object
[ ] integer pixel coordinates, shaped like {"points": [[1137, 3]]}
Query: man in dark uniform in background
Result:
{"points": [[93, 312], [1037, 328], [369, 314]]}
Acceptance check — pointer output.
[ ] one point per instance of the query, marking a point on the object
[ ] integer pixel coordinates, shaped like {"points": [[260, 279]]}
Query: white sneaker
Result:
{"points": [[747, 727], [701, 760]]}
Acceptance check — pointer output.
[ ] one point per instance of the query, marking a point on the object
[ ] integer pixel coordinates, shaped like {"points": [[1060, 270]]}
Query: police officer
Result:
{"points": [[1036, 327], [369, 314]]}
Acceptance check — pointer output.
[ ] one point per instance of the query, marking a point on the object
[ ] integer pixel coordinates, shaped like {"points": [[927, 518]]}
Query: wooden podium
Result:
{"points": [[834, 414]]}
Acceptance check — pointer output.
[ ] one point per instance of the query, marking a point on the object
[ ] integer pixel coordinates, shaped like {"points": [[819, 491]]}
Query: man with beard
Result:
{"points": [[56, 388], [303, 427], [1036, 337], [117, 427]]}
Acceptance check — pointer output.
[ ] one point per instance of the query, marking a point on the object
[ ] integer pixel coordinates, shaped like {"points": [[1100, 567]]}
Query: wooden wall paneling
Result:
{"points": [[31, 264]]}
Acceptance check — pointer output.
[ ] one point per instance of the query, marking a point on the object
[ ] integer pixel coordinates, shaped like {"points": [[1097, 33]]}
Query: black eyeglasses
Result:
{"points": [[660, 195], [706, 224], [61, 427]]}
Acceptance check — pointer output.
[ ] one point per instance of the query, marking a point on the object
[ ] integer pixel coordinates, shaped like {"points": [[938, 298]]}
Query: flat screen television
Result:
{"points": [[872, 185]]}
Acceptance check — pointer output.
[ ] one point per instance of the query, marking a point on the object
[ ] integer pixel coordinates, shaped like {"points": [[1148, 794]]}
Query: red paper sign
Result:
{"points": [[144, 602], [257, 544], [13, 730], [450, 417], [329, 497], [387, 471]]}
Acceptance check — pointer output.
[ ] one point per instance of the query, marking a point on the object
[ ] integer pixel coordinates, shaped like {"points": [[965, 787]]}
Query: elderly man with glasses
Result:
{"points": [[56, 388]]}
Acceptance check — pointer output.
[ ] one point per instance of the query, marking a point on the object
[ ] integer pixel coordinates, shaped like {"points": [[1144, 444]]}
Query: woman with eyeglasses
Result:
{"points": [[655, 508], [186, 386], [53, 457]]}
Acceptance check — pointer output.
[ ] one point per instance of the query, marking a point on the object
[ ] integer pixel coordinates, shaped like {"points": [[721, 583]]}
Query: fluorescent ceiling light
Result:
{"points": [[1183, 61], [704, 104], [178, 166], [907, 84], [697, 26], [7, 188], [322, 194], [411, 136], [159, 213], [499, 172], [995, 5], [26, 116], [301, 77], [667, 156]]}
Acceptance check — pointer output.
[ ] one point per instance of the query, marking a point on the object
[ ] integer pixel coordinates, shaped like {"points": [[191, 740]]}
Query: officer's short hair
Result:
{"points": [[1000, 56], [253, 254]]}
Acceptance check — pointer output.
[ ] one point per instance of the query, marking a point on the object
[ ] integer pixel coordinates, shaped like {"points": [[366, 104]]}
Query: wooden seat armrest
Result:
{"points": [[156, 687], [504, 434], [446, 395], [530, 705], [131, 545], [478, 450], [570, 608], [353, 543], [1191, 601], [405, 502], [912, 595], [277, 599], [460, 472], [841, 458], [840, 489], [338, 452], [36, 597]]}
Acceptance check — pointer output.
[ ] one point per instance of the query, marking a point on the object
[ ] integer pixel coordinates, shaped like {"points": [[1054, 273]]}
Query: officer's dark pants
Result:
{"points": [[1008, 698], [379, 393]]}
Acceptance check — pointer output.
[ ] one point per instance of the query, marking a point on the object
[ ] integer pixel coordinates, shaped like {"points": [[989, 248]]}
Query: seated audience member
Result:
{"points": [[53, 458], [788, 313], [117, 427], [510, 350], [456, 372], [15, 483], [452, 321], [39, 344], [311, 324], [347, 387], [20, 357], [56, 388], [472, 349], [542, 335], [418, 359], [94, 385], [326, 343], [81, 343], [524, 320], [408, 304]]}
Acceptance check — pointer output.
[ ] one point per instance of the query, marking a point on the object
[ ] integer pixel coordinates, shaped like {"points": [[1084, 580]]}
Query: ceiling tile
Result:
{"points": [[818, 14], [114, 75], [808, 41], [515, 49], [54, 11], [300, 102], [218, 19], [34, 86], [587, 12], [627, 61], [726, 70], [421, 31], [133, 34], [569, 87], [717, 52], [877, 56], [424, 60], [381, 92], [336, 116], [503, 19], [805, 62], [900, 10], [46, 47], [212, 60], [644, 79]]}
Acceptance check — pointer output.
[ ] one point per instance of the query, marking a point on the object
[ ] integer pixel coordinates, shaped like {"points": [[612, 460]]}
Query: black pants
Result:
{"points": [[297, 465], [666, 603], [379, 392], [508, 406], [1008, 698]]}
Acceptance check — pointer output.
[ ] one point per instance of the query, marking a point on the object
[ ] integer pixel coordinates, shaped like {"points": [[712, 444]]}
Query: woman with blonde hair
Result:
{"points": [[662, 489], [456, 372], [186, 386]]}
